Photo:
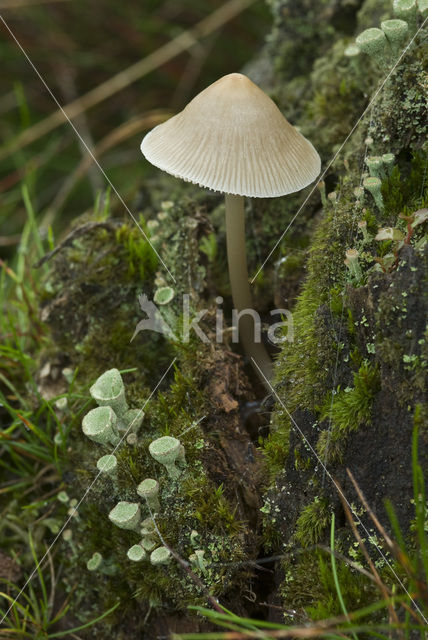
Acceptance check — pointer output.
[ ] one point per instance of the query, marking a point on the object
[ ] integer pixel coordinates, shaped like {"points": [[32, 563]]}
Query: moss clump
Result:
{"points": [[309, 590], [312, 522], [357, 591], [357, 358], [348, 409], [304, 368], [192, 502], [401, 191], [90, 301], [276, 444], [139, 256]]}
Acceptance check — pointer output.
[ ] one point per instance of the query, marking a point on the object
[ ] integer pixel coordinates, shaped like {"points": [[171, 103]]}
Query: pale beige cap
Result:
{"points": [[233, 138]]}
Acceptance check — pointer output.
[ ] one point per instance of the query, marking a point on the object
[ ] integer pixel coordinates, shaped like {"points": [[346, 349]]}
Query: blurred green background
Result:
{"points": [[76, 46]]}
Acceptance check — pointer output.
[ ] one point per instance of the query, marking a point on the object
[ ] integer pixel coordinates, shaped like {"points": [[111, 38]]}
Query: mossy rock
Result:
{"points": [[90, 306], [350, 386]]}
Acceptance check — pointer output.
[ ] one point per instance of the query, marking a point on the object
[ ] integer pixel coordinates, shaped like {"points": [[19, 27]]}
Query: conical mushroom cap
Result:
{"points": [[233, 138]]}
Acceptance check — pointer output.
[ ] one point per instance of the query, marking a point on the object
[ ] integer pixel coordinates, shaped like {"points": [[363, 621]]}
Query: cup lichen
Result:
{"points": [[126, 515], [109, 390], [136, 553], [149, 490], [160, 556], [167, 451], [100, 425]]}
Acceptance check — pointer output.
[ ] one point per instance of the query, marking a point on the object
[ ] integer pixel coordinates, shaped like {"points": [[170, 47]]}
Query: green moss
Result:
{"points": [[347, 410], [194, 504], [276, 445], [352, 407], [309, 590], [139, 254], [272, 538], [303, 368], [372, 223], [336, 301], [312, 522], [92, 302], [402, 192], [357, 591], [330, 446], [348, 338], [305, 322], [102, 275]]}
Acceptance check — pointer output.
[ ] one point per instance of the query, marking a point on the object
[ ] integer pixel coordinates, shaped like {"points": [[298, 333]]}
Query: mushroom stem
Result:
{"points": [[238, 274]]}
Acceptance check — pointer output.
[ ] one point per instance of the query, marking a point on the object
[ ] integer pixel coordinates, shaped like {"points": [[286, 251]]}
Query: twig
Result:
{"points": [[164, 54], [191, 72]]}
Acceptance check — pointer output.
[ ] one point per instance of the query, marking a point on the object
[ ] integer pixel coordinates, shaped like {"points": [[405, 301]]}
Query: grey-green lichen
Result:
{"points": [[192, 503]]}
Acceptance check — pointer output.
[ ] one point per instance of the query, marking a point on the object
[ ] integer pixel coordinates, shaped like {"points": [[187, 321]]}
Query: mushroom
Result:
{"points": [[233, 138]]}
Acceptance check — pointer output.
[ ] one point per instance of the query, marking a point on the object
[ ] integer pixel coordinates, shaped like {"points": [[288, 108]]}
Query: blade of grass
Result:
{"points": [[39, 570], [419, 498], [32, 220], [62, 634], [335, 577]]}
